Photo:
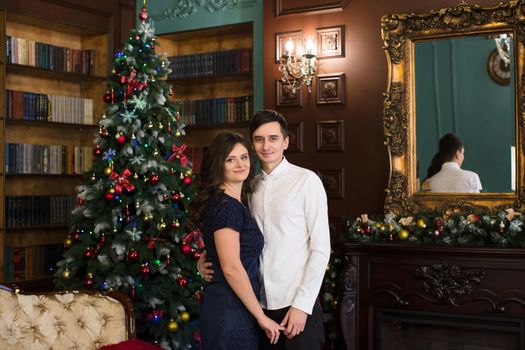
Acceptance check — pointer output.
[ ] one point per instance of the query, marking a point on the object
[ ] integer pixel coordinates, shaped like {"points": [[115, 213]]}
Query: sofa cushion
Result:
{"points": [[70, 320]]}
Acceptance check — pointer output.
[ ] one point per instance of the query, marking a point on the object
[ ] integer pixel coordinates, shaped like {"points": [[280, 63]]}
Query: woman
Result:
{"points": [[445, 173], [230, 308]]}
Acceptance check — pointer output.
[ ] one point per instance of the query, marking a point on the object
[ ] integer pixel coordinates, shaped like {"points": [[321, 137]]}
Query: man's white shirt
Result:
{"points": [[290, 207]]}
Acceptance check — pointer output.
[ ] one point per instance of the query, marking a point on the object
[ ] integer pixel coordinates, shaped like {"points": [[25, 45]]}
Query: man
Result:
{"points": [[290, 206]]}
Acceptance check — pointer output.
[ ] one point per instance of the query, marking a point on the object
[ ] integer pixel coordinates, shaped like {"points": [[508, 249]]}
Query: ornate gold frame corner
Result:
{"points": [[399, 32]]}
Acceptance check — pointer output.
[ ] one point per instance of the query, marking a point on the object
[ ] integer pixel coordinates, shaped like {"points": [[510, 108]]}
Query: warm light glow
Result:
{"points": [[309, 45], [299, 67], [289, 47]]}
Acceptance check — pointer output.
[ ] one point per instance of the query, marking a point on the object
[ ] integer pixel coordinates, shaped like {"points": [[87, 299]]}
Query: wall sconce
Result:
{"points": [[297, 66]]}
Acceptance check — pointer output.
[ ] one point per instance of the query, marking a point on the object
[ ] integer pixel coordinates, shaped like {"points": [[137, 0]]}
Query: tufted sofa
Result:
{"points": [[82, 320]]}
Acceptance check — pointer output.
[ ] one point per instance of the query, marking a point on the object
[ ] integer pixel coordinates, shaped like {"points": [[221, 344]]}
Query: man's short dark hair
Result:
{"points": [[268, 116]]}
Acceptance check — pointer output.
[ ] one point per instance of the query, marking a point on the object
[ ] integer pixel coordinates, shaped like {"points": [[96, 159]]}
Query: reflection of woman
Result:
{"points": [[230, 307], [445, 174]]}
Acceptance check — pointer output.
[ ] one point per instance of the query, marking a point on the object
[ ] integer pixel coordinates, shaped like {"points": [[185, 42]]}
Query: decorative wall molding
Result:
{"points": [[289, 7], [330, 135], [185, 8], [333, 182]]}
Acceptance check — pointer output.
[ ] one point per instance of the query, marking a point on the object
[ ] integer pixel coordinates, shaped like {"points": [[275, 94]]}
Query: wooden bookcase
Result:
{"points": [[217, 39], [27, 78]]}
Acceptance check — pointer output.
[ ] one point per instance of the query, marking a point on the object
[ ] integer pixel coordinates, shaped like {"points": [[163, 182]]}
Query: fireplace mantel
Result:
{"points": [[467, 282]]}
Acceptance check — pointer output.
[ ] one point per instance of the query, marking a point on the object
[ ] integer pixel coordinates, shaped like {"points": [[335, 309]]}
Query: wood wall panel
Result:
{"points": [[365, 157]]}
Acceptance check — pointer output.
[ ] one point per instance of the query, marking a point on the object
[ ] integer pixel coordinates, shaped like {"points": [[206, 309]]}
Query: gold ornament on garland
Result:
{"points": [[66, 273], [403, 234], [421, 223], [108, 171], [68, 242]]}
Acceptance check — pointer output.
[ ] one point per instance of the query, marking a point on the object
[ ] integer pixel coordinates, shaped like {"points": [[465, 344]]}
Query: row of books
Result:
{"points": [[31, 262], [215, 111], [47, 159], [23, 105], [38, 211], [211, 64], [195, 154], [47, 56]]}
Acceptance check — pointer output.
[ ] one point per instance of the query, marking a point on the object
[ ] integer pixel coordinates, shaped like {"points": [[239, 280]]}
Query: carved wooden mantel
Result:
{"points": [[473, 281]]}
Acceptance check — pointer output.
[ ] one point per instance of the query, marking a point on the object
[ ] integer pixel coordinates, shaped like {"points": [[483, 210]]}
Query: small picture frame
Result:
{"points": [[330, 135], [330, 88], [295, 137], [286, 96], [282, 38], [333, 182], [331, 42]]}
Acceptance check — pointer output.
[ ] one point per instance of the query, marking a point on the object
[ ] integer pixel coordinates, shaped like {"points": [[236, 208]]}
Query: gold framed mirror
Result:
{"points": [[458, 70]]}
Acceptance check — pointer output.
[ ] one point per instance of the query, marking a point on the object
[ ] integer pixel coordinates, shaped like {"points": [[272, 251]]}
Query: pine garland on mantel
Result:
{"points": [[504, 229]]}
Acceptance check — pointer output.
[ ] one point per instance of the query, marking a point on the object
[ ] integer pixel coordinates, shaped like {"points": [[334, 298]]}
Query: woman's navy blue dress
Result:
{"points": [[225, 323]]}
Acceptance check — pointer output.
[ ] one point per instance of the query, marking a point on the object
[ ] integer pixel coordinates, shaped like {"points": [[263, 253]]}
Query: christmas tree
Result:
{"points": [[129, 228]]}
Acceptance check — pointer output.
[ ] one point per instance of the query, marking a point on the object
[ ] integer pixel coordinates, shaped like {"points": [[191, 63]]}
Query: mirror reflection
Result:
{"points": [[465, 86]]}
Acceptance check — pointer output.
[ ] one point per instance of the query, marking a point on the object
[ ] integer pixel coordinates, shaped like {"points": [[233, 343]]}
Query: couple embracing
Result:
{"points": [[267, 242]]}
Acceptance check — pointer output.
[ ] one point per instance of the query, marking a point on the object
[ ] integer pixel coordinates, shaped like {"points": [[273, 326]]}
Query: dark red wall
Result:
{"points": [[365, 158]]}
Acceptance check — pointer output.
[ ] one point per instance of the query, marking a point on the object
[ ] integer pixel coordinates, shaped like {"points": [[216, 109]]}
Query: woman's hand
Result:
{"points": [[271, 328]]}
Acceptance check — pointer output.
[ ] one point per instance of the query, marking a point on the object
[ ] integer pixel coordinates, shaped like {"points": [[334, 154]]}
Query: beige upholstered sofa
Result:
{"points": [[64, 320]]}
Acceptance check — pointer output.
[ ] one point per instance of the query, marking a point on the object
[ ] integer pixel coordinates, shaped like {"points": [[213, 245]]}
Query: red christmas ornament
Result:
{"points": [[187, 180], [89, 253], [133, 255], [196, 255], [75, 235], [137, 37], [144, 270], [175, 196], [165, 197], [89, 281], [152, 46], [110, 195], [172, 171], [97, 152], [197, 295], [154, 179], [121, 138], [186, 249], [143, 14], [80, 201], [107, 97], [183, 281]]}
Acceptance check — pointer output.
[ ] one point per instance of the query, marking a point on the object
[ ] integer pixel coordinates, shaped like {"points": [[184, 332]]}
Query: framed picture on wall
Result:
{"points": [[330, 88], [330, 135], [286, 95], [295, 137], [280, 42], [331, 42]]}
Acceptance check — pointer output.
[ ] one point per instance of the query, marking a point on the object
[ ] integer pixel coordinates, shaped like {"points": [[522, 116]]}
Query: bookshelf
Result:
{"points": [[53, 77], [212, 80]]}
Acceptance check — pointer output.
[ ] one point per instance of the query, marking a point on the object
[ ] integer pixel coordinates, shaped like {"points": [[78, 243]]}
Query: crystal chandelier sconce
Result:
{"points": [[503, 46], [298, 65]]}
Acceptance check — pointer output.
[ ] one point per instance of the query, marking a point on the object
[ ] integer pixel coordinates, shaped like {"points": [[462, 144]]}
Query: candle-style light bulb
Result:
{"points": [[309, 45], [289, 47]]}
